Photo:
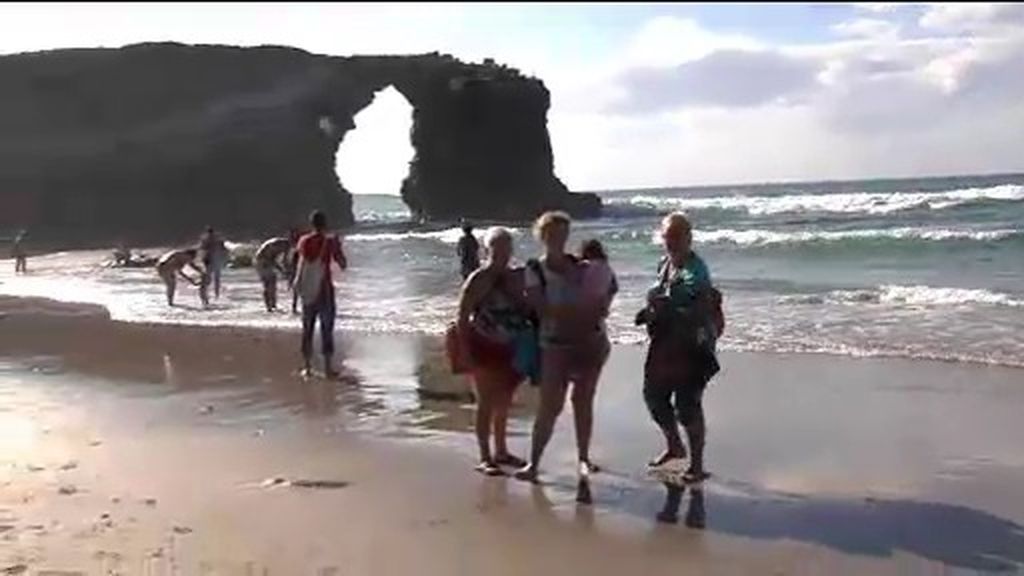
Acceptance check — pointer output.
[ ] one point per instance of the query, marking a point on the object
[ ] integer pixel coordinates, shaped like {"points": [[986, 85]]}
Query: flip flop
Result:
{"points": [[510, 460], [489, 469]]}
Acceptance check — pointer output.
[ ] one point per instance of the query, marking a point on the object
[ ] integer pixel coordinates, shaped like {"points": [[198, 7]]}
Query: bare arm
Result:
{"points": [[339, 256], [473, 290]]}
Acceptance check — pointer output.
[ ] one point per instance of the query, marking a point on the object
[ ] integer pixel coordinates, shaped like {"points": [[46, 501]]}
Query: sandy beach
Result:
{"points": [[147, 449]]}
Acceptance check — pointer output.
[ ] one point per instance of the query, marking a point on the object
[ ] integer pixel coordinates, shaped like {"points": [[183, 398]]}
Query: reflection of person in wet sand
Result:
{"points": [[18, 251], [268, 261], [172, 264], [695, 514], [491, 314]]}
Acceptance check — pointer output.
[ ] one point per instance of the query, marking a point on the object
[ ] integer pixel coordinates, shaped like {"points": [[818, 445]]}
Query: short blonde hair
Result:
{"points": [[549, 219], [676, 219], [495, 233]]}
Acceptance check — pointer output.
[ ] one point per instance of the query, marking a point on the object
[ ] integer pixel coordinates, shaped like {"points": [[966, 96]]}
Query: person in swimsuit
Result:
{"points": [[268, 262], [573, 344], [172, 264], [491, 311]]}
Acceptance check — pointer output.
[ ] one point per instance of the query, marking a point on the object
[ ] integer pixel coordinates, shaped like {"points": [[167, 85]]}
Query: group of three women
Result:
{"points": [[566, 299]]}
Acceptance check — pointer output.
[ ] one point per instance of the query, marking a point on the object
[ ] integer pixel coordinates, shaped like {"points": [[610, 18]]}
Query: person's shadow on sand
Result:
{"points": [[954, 535]]}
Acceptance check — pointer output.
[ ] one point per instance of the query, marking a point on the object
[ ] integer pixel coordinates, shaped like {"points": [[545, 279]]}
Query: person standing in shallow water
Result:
{"points": [[172, 264], [18, 252], [468, 250], [317, 250], [683, 319], [268, 262], [573, 342], [492, 312], [215, 257]]}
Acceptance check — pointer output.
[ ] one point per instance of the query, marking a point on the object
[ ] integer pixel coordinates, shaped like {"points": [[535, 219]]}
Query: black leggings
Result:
{"points": [[688, 407]]}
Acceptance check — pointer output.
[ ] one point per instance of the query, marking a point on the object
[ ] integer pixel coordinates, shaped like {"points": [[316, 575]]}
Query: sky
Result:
{"points": [[647, 95]]}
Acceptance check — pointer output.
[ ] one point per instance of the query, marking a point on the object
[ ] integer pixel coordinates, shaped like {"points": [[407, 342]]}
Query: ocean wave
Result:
{"points": [[447, 236], [760, 237], [844, 203], [915, 295]]}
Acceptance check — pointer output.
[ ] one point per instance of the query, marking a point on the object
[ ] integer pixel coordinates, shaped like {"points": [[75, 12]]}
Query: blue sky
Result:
{"points": [[657, 94]]}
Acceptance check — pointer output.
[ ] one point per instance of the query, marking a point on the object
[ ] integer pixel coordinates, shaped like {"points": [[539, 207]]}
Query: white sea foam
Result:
{"points": [[855, 202], [448, 236], [914, 295], [759, 237]]}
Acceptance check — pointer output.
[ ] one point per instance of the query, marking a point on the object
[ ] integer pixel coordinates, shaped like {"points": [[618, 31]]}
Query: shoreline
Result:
{"points": [[868, 458]]}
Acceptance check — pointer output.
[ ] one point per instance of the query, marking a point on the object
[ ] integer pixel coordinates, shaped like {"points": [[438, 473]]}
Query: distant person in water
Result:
{"points": [[468, 250], [18, 251], [317, 250], [271, 258], [172, 264], [683, 318], [215, 257]]}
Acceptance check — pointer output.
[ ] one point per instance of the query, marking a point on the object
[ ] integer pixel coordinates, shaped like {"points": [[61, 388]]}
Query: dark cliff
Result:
{"points": [[151, 142]]}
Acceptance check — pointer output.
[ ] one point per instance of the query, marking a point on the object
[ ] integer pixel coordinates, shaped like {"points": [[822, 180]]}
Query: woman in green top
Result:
{"points": [[681, 319]]}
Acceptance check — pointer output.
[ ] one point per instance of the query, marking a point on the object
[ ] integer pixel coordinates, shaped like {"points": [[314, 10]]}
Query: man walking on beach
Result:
{"points": [[313, 282], [468, 250]]}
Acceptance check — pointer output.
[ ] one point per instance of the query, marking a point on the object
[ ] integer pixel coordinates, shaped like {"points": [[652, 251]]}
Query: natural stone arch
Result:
{"points": [[153, 141]]}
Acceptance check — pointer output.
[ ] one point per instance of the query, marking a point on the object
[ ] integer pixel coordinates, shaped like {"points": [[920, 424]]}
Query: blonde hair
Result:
{"points": [[549, 219], [495, 233], [674, 219]]}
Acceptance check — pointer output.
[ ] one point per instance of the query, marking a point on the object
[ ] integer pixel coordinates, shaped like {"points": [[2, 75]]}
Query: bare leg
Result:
{"points": [[486, 397], [583, 406], [503, 402], [552, 399], [169, 283]]}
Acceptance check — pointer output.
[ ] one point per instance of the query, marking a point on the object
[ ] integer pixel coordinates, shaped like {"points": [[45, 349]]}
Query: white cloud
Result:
{"points": [[867, 28], [877, 7], [972, 17], [725, 78], [879, 103], [669, 41]]}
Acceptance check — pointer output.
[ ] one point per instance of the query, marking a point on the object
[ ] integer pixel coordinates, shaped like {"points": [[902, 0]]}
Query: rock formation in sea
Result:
{"points": [[151, 142]]}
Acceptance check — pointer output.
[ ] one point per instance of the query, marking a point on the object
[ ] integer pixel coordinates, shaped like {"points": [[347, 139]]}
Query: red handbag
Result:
{"points": [[458, 356]]}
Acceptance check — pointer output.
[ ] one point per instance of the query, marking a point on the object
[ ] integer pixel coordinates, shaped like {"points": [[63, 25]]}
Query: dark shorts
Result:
{"points": [[489, 354]]}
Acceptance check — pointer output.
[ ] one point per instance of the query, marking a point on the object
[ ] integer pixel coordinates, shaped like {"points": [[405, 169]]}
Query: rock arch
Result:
{"points": [[150, 142]]}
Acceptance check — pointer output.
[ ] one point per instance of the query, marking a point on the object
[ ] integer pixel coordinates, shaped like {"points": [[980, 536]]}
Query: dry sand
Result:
{"points": [[131, 449]]}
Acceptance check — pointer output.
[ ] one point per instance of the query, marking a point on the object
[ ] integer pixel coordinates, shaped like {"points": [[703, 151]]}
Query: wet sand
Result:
{"points": [[134, 449]]}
